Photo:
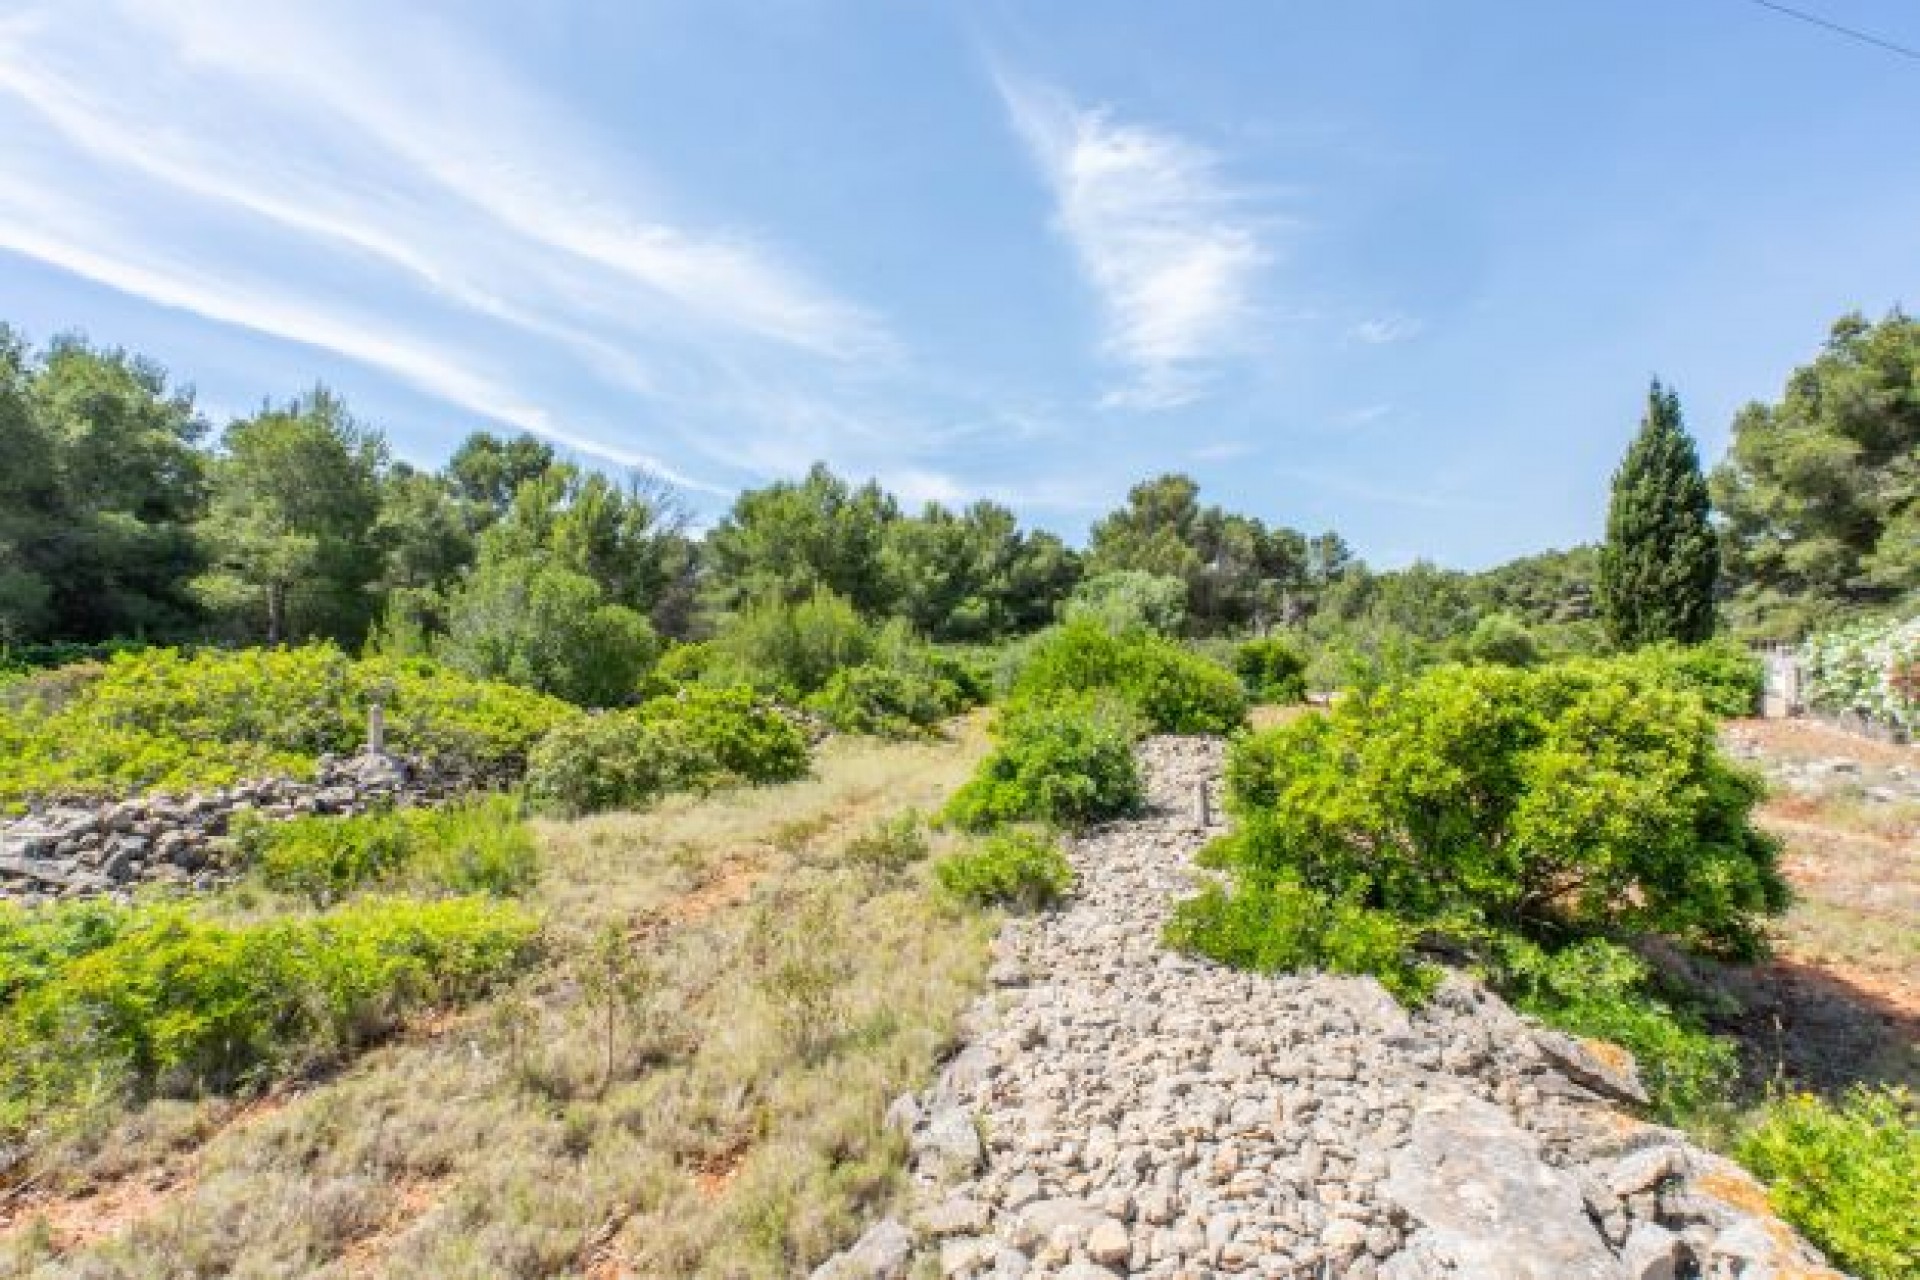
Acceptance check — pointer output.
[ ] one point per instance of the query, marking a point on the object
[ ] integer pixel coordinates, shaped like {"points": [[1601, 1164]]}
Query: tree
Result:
{"points": [[789, 540], [292, 529], [534, 622], [486, 472], [102, 482], [1660, 560], [1820, 493], [974, 575]]}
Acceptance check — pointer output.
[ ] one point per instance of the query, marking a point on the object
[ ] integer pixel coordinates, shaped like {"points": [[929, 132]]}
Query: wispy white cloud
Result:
{"points": [[1170, 248], [1380, 330]]}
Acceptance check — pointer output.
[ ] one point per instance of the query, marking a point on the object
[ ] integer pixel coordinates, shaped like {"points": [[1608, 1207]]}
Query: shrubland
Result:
{"points": [[1171, 688], [168, 719], [477, 845], [1017, 867], [1066, 760]]}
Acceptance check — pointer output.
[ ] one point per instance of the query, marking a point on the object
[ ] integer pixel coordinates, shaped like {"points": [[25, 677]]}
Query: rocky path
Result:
{"points": [[1125, 1111]]}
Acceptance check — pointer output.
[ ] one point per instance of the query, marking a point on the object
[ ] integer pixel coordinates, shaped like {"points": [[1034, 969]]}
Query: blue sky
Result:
{"points": [[1395, 267]]}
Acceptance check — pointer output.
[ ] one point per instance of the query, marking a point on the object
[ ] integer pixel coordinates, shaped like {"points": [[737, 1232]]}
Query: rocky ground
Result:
{"points": [[1124, 1111]]}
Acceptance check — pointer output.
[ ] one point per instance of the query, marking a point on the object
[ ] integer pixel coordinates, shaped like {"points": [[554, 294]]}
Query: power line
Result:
{"points": [[1852, 33]]}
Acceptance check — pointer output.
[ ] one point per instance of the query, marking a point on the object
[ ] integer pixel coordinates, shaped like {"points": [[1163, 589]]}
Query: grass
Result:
{"points": [[773, 994]]}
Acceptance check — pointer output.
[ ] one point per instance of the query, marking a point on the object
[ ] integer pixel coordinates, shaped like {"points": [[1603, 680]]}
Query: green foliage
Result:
{"points": [[890, 845], [974, 575], [1818, 490], [169, 720], [791, 648], [1129, 599], [1172, 689], [1271, 669], [1066, 760], [1868, 668], [795, 540], [1661, 560], [533, 623], [1274, 923], [1581, 798], [884, 701], [174, 1002], [1597, 989], [1500, 638], [1848, 1175], [691, 740], [478, 845], [1017, 868], [1726, 676]]}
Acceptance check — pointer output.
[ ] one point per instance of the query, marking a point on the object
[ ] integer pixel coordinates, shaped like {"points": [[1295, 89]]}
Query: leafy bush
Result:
{"points": [[1501, 638], [477, 846], [170, 720], [1848, 1175], [174, 1002], [1274, 923], [1271, 669], [1581, 798], [791, 649], [1128, 599], [1728, 677], [1018, 868], [537, 624], [681, 665], [697, 738], [1172, 690], [1595, 988], [1066, 760], [884, 701]]}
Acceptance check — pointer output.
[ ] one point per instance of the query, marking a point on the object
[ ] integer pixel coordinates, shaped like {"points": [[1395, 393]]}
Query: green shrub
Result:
{"points": [[791, 649], [1869, 668], [1726, 676], [36, 943], [890, 845], [1021, 869], [1581, 798], [883, 701], [1172, 689], [478, 845], [697, 738], [1066, 760], [178, 1003], [736, 735], [1501, 638], [682, 664], [1128, 599], [1274, 923], [1271, 669], [169, 720], [1597, 989], [1848, 1176], [540, 625]]}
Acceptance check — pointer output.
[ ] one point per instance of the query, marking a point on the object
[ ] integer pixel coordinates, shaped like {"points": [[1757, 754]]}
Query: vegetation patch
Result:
{"points": [[1846, 1173], [1066, 760], [1172, 689], [1024, 869], [111, 1003], [1271, 669], [479, 845]]}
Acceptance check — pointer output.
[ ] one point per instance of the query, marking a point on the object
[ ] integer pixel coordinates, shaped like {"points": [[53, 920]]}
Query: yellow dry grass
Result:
{"points": [[767, 998]]}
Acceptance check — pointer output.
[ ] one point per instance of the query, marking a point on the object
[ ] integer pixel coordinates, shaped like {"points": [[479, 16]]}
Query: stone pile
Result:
{"points": [[1120, 1110], [81, 850]]}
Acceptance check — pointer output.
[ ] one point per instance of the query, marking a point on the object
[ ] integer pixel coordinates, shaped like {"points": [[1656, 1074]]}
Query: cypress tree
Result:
{"points": [[1660, 561]]}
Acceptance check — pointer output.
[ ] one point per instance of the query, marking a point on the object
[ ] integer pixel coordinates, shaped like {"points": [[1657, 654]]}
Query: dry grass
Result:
{"points": [[767, 998]]}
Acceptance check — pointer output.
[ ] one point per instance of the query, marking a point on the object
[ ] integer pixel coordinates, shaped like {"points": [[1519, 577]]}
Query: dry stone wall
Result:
{"points": [[1121, 1111], [109, 848]]}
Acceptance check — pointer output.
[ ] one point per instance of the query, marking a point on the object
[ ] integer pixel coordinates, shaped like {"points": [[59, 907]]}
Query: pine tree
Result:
{"points": [[1660, 561]]}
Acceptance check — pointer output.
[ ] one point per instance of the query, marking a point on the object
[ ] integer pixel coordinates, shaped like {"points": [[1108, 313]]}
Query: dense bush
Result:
{"points": [[1574, 799], [1848, 1176], [1066, 760], [1126, 599], [1017, 868], [1274, 923], [160, 999], [1597, 989], [791, 649], [1501, 638], [1726, 676], [1271, 669], [538, 624], [884, 701], [166, 719], [696, 738], [477, 846], [1173, 690]]}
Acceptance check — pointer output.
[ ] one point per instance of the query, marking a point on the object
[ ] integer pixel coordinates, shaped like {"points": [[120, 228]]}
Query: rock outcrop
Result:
{"points": [[1124, 1111]]}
